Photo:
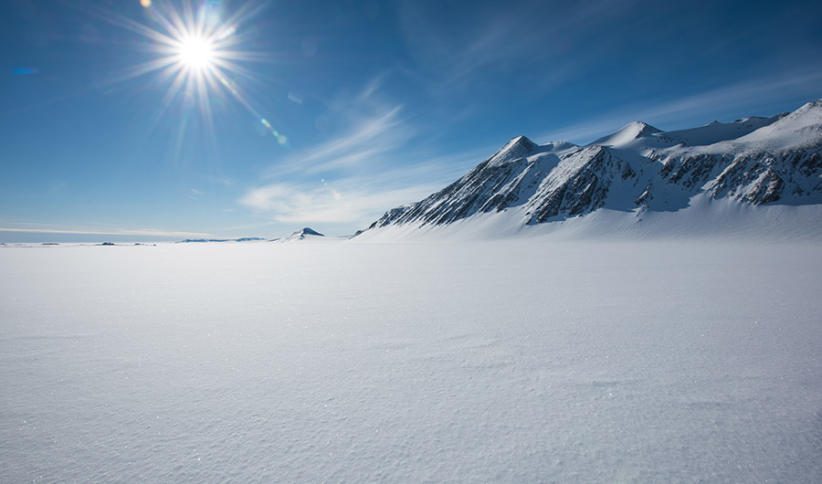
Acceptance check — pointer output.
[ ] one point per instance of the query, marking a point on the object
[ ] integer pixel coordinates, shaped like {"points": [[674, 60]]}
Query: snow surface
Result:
{"points": [[715, 131], [703, 217], [799, 129], [511, 360]]}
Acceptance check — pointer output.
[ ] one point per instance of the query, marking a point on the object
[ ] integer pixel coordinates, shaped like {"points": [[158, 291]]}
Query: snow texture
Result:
{"points": [[519, 360]]}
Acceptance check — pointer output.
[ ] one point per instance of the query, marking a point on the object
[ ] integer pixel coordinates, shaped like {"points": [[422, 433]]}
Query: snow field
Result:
{"points": [[510, 360]]}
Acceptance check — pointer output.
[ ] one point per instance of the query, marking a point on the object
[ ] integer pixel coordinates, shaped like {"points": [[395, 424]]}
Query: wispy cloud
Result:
{"points": [[501, 37], [304, 203], [371, 87], [223, 181], [361, 198], [383, 131], [702, 106], [355, 176]]}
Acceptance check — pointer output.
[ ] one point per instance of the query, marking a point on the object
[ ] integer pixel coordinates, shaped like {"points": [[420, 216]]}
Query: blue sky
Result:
{"points": [[376, 104]]}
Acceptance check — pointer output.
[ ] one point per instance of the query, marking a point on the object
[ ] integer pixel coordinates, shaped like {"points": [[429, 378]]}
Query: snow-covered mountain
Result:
{"points": [[302, 234], [639, 169]]}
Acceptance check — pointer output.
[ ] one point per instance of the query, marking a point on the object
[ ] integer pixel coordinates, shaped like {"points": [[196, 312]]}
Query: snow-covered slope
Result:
{"points": [[639, 169], [628, 134]]}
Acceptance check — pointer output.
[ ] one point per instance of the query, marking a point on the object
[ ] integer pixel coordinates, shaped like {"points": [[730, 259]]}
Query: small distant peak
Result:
{"points": [[749, 119], [713, 123], [308, 231], [304, 233]]}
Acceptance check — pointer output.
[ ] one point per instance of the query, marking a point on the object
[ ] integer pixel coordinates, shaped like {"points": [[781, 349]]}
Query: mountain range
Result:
{"points": [[754, 161]]}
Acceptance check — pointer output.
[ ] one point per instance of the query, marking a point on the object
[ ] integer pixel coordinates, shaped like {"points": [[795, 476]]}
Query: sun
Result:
{"points": [[196, 53], [197, 50]]}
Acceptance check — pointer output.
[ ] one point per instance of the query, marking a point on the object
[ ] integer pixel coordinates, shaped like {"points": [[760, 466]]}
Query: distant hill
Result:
{"points": [[303, 234]]}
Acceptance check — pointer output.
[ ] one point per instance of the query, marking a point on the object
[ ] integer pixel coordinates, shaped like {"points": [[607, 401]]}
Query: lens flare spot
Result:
{"points": [[145, 3], [281, 138]]}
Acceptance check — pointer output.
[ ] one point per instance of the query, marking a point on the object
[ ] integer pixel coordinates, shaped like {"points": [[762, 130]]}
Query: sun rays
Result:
{"points": [[198, 52]]}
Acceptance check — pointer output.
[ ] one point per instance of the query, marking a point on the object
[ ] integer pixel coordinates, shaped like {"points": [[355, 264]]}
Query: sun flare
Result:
{"points": [[196, 53]]}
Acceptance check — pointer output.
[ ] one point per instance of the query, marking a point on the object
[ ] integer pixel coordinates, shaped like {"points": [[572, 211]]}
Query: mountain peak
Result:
{"points": [[798, 129], [629, 132], [305, 233], [521, 141], [810, 106], [308, 231], [518, 147]]}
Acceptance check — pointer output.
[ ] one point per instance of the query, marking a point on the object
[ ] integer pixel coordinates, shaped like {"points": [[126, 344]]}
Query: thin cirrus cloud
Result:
{"points": [[303, 203], [363, 159], [359, 199], [379, 171], [379, 133], [501, 35]]}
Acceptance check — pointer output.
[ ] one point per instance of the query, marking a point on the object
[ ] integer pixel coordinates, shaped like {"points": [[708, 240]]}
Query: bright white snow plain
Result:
{"points": [[509, 360]]}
